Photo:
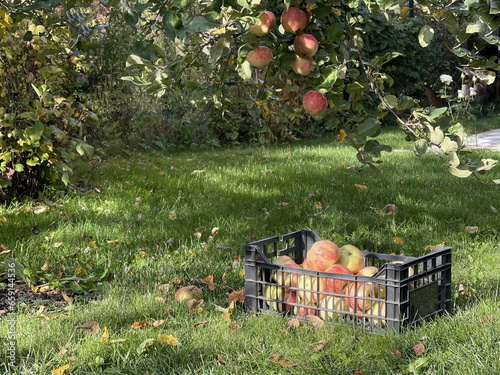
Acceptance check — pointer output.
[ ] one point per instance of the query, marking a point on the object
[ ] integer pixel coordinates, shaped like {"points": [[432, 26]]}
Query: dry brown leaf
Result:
{"points": [[197, 234], [361, 187], [357, 371], [66, 297], [90, 327], [396, 352], [161, 299], [487, 319], [158, 323], [419, 349], [390, 209], [275, 358], [209, 281], [117, 341], [319, 345], [237, 296], [316, 321], [294, 322], [200, 324], [471, 229], [219, 359], [163, 287], [137, 325]]}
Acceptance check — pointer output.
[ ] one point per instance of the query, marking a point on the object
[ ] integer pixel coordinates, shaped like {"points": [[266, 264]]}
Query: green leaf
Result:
{"points": [[420, 147], [85, 150], [131, 17], [329, 77], [18, 167], [448, 145], [245, 70], [33, 161], [244, 4], [391, 101], [437, 136], [369, 128], [200, 25], [142, 347], [425, 35], [437, 112], [183, 3], [454, 160], [486, 164], [460, 171]]}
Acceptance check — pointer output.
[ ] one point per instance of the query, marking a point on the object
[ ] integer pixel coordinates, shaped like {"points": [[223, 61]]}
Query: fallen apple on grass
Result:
{"points": [[187, 293]]}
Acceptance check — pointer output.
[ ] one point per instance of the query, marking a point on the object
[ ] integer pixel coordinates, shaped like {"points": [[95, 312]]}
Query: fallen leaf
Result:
{"points": [[471, 229], [215, 230], [219, 359], [390, 209], [90, 327], [105, 335], [57, 244], [293, 322], [158, 323], [237, 296], [357, 371], [161, 299], [117, 341], [316, 321], [284, 204], [163, 287], [398, 240], [197, 171], [275, 358], [60, 370], [419, 349], [493, 209], [200, 324], [361, 187], [209, 281], [319, 345], [168, 340], [66, 297], [487, 319], [396, 352], [137, 325], [197, 234], [318, 204]]}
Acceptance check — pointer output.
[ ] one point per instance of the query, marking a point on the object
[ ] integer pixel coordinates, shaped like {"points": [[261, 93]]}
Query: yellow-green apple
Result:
{"points": [[286, 278], [265, 25], [367, 271], [294, 20], [187, 293], [305, 45], [411, 272], [276, 294], [334, 303], [303, 66], [309, 288], [323, 254], [378, 310], [336, 285], [315, 103], [360, 295], [260, 56], [351, 257]]}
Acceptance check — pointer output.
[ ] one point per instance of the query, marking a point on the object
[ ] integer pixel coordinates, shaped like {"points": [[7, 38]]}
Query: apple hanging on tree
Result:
{"points": [[303, 66], [305, 45], [260, 56], [315, 103], [294, 20], [266, 24]]}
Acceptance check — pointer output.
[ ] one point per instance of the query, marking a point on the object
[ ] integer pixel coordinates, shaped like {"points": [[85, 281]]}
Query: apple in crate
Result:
{"points": [[286, 278], [309, 288], [378, 310], [303, 311], [323, 254], [290, 297], [277, 295], [367, 271], [336, 285], [351, 257], [360, 295], [307, 265], [334, 303]]}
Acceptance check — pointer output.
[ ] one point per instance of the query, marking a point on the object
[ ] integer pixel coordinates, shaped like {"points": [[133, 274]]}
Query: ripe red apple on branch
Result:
{"points": [[305, 45], [294, 20], [266, 24], [260, 56], [315, 103], [303, 66]]}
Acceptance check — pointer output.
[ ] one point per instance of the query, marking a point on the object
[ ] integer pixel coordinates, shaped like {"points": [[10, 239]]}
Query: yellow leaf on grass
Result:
{"points": [[60, 370], [398, 240], [169, 340], [80, 272], [361, 187], [105, 336]]}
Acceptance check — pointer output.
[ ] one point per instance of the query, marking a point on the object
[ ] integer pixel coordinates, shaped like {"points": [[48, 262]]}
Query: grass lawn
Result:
{"points": [[136, 226]]}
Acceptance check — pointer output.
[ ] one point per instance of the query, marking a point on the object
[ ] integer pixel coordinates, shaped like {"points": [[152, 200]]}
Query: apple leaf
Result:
{"points": [[425, 35]]}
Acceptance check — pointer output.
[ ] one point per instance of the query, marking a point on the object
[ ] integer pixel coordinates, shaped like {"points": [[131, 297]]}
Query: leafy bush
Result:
{"points": [[41, 118]]}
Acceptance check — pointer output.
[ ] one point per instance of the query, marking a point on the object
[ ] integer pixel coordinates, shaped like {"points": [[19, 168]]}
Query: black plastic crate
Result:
{"points": [[410, 291]]}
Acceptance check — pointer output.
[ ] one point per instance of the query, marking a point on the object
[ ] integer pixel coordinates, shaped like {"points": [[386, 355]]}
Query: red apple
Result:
{"points": [[307, 265], [260, 56], [266, 24], [323, 254], [187, 293], [360, 295], [351, 257], [294, 20], [304, 311], [290, 297], [303, 66], [336, 285], [315, 103], [305, 45]]}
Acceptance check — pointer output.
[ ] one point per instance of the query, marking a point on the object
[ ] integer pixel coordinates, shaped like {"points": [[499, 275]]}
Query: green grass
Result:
{"points": [[149, 217]]}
